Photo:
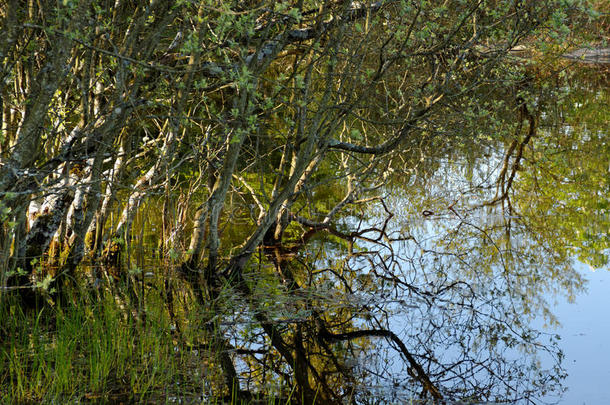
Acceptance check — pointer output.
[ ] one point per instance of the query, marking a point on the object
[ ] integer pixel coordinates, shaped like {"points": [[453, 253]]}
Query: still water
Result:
{"points": [[535, 264], [476, 258], [585, 327]]}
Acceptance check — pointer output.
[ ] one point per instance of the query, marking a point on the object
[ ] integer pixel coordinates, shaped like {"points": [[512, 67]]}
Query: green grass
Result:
{"points": [[92, 350], [95, 348]]}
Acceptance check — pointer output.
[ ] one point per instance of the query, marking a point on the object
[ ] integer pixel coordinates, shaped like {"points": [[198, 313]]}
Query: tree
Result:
{"points": [[108, 104]]}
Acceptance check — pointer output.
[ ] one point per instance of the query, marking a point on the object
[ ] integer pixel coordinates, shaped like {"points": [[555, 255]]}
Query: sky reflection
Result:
{"points": [[584, 330]]}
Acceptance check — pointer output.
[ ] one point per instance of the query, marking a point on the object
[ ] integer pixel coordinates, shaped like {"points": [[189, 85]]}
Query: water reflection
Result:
{"points": [[432, 290], [509, 261], [464, 302], [438, 284], [584, 330]]}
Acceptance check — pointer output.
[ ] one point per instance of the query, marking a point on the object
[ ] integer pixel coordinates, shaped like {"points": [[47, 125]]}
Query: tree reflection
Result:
{"points": [[357, 199], [430, 290]]}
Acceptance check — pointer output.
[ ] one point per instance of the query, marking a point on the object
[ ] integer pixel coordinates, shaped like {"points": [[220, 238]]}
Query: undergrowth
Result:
{"points": [[91, 350]]}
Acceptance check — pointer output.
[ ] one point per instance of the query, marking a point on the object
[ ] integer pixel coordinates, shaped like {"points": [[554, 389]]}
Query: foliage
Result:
{"points": [[255, 127]]}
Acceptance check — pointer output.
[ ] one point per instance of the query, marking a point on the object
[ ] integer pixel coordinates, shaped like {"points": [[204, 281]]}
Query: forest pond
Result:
{"points": [[539, 261], [336, 202], [479, 264]]}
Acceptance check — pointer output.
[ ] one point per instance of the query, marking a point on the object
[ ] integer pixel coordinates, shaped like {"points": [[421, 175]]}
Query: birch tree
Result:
{"points": [[105, 104]]}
